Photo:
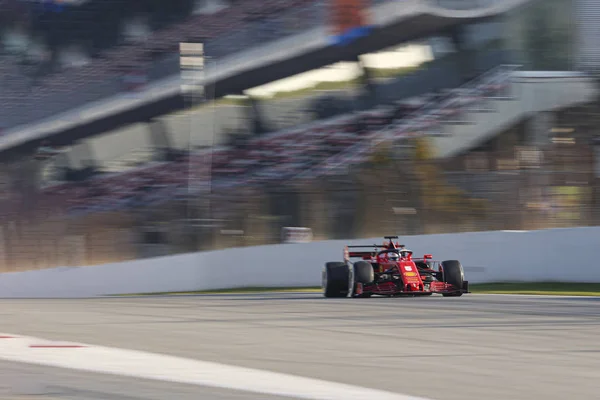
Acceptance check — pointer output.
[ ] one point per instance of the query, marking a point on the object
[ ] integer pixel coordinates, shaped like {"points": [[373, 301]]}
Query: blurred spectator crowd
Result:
{"points": [[57, 57], [303, 152]]}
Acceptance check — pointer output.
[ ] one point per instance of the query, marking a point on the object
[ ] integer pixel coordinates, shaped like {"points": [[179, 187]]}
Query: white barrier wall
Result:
{"points": [[545, 255]]}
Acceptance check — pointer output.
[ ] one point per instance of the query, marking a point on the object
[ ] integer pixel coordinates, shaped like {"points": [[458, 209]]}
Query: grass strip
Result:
{"points": [[539, 288], [246, 290]]}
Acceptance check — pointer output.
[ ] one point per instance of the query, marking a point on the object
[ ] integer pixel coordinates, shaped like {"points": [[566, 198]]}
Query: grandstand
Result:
{"points": [[177, 178], [113, 59], [53, 67]]}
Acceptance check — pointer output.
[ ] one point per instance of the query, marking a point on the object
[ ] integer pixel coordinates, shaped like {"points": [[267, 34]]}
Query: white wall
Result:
{"points": [[204, 126], [120, 142], [545, 255]]}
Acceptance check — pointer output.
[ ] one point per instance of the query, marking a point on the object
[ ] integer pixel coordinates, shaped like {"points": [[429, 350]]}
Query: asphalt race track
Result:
{"points": [[472, 347]]}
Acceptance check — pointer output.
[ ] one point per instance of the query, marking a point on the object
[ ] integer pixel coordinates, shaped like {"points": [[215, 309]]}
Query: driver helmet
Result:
{"points": [[404, 252], [393, 256]]}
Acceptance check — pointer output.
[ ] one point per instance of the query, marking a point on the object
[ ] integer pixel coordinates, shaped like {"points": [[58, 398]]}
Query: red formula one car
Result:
{"points": [[390, 270]]}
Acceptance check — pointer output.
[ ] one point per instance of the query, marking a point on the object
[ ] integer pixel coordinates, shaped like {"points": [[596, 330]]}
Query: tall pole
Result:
{"points": [[210, 154], [192, 62]]}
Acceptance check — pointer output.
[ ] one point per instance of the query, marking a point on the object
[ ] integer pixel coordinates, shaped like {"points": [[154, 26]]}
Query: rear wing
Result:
{"points": [[367, 255], [361, 254], [364, 254]]}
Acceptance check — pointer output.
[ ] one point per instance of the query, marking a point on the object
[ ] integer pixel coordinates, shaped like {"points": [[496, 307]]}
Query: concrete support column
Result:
{"points": [[538, 129], [370, 204], [159, 137], [370, 90], [82, 156], [314, 210], [465, 56], [255, 226], [256, 121]]}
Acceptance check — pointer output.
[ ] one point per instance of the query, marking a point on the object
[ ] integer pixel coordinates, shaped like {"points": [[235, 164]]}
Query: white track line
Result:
{"points": [[145, 365]]}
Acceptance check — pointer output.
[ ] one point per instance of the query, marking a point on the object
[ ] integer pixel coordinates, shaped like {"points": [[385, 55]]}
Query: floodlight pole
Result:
{"points": [[192, 65], [210, 153]]}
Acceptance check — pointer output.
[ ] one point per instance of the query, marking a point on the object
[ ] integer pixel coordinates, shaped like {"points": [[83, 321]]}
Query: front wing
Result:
{"points": [[393, 289]]}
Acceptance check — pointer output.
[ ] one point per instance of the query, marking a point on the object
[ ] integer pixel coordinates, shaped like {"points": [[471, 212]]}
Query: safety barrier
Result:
{"points": [[569, 254]]}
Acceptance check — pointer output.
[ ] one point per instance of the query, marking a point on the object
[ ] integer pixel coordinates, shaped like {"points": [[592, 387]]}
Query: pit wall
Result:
{"points": [[569, 254]]}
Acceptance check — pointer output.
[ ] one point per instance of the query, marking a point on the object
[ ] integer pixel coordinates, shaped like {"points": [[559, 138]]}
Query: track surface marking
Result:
{"points": [[144, 365]]}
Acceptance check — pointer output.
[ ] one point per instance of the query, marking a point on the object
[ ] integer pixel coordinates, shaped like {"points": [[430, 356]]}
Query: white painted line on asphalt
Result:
{"points": [[84, 357]]}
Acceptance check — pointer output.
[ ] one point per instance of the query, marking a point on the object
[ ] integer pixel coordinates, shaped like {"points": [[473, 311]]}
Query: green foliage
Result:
{"points": [[436, 193], [381, 156], [539, 288], [422, 149]]}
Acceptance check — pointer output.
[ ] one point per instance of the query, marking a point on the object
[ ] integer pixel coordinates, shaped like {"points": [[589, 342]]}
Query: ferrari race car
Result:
{"points": [[390, 270]]}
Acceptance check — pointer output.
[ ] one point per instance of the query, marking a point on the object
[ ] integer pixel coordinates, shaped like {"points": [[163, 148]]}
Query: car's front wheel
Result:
{"points": [[363, 273], [454, 275]]}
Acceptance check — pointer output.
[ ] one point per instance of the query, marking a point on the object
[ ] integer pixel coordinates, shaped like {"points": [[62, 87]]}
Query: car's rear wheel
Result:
{"points": [[454, 275], [335, 279]]}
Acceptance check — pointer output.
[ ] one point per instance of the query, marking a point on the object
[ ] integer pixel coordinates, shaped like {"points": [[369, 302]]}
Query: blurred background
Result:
{"points": [[132, 129]]}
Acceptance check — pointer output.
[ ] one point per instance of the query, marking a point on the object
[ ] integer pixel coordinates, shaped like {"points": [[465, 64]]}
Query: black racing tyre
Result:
{"points": [[363, 272], [335, 279], [454, 275]]}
